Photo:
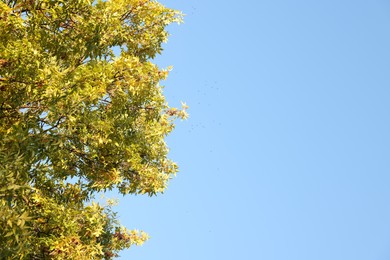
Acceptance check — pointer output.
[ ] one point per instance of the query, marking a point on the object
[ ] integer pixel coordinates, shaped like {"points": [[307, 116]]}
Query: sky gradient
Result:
{"points": [[286, 152]]}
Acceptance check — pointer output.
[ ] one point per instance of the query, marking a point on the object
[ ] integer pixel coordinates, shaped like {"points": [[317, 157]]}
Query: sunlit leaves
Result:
{"points": [[76, 118]]}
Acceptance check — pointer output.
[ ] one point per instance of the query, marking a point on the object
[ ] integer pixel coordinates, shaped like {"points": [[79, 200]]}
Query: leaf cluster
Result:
{"points": [[77, 119]]}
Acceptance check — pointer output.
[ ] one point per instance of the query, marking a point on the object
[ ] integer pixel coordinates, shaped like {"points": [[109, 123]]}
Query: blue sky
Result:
{"points": [[286, 152]]}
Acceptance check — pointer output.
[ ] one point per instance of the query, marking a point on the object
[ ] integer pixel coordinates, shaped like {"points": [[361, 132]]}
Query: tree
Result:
{"points": [[76, 119]]}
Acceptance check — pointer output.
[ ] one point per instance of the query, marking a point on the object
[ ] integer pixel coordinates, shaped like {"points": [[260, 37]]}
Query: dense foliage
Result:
{"points": [[81, 111]]}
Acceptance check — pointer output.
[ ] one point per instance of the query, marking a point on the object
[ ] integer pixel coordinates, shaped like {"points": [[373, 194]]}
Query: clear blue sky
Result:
{"points": [[286, 154]]}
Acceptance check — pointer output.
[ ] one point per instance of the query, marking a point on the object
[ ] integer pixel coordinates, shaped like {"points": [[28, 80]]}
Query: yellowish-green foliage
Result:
{"points": [[76, 119]]}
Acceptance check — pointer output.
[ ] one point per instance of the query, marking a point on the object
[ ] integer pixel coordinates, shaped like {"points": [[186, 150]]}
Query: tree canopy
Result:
{"points": [[81, 111]]}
